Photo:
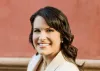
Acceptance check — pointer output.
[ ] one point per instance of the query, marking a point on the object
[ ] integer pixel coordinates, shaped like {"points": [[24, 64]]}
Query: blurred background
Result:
{"points": [[83, 16]]}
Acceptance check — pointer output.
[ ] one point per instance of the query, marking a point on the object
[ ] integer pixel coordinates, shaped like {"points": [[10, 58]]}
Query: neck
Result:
{"points": [[47, 59]]}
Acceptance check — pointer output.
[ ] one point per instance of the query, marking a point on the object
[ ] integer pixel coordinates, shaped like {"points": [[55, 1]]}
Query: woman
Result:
{"points": [[52, 39]]}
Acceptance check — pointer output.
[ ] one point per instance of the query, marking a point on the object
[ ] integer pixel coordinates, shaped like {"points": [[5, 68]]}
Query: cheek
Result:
{"points": [[56, 40], [34, 37]]}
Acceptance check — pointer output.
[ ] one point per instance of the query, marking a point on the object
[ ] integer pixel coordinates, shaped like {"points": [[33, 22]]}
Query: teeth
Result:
{"points": [[43, 44]]}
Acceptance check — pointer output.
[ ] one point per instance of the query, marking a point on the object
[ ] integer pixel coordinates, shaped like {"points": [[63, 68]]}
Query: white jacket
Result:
{"points": [[57, 64]]}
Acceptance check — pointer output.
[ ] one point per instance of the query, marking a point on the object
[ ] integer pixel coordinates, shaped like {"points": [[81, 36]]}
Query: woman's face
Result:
{"points": [[46, 40]]}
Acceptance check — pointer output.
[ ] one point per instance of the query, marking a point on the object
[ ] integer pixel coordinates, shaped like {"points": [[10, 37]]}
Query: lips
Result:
{"points": [[43, 44]]}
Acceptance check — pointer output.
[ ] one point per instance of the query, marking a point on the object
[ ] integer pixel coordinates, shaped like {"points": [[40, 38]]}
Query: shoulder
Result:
{"points": [[30, 64], [67, 66], [33, 62]]}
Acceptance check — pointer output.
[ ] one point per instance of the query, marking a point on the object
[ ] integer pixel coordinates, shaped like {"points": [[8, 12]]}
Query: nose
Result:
{"points": [[42, 36]]}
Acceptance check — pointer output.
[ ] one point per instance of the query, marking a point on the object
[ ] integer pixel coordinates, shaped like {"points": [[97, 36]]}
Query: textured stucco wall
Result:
{"points": [[83, 16]]}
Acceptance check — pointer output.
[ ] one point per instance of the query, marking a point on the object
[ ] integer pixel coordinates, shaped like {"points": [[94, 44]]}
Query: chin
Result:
{"points": [[43, 53]]}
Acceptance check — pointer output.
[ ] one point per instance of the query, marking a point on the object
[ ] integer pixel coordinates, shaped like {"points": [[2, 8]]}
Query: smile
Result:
{"points": [[43, 44]]}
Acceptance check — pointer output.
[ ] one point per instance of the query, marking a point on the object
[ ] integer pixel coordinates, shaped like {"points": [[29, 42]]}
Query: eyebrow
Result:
{"points": [[43, 28]]}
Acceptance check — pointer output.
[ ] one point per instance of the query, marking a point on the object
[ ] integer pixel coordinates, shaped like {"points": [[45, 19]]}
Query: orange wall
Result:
{"points": [[83, 16]]}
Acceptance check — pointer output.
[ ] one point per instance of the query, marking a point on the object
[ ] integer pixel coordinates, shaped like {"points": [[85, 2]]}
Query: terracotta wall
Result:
{"points": [[83, 16]]}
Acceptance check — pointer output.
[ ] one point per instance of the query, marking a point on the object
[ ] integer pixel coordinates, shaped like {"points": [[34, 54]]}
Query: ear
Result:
{"points": [[61, 38]]}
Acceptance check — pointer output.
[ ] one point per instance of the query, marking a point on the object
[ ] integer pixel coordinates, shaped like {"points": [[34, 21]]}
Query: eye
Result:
{"points": [[50, 30], [36, 30]]}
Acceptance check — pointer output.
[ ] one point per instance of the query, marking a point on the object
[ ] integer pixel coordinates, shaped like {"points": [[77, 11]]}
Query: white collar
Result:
{"points": [[56, 62]]}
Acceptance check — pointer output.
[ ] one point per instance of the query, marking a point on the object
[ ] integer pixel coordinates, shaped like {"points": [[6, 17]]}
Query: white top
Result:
{"points": [[57, 64]]}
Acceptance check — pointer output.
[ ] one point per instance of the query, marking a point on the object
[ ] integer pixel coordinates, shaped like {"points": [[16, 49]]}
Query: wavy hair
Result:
{"points": [[57, 20]]}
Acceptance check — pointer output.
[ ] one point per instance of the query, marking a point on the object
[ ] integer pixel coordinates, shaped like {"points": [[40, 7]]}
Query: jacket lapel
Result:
{"points": [[34, 62], [55, 63]]}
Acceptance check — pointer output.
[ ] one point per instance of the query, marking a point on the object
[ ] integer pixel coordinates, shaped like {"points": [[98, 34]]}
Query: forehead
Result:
{"points": [[40, 22]]}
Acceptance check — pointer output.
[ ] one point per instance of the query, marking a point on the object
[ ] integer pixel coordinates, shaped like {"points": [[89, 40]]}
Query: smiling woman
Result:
{"points": [[52, 39], [43, 37]]}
